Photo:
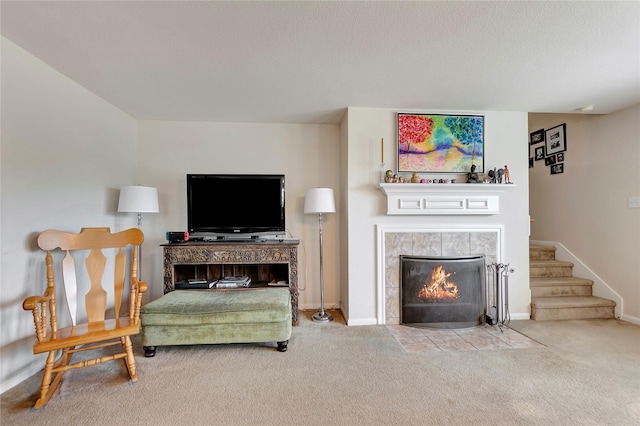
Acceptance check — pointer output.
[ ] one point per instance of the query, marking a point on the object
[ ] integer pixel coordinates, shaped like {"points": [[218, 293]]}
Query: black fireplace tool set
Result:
{"points": [[498, 294]]}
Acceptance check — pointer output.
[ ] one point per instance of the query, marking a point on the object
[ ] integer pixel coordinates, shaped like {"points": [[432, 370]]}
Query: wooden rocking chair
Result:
{"points": [[97, 332]]}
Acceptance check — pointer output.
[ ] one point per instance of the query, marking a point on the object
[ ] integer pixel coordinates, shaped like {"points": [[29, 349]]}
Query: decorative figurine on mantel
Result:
{"points": [[506, 175], [492, 175], [415, 177], [472, 176], [388, 176]]}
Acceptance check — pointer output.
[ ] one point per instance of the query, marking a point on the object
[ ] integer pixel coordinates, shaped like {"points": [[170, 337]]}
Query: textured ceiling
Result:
{"points": [[305, 62]]}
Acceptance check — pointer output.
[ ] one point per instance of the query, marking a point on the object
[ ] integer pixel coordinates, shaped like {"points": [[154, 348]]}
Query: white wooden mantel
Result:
{"points": [[443, 198]]}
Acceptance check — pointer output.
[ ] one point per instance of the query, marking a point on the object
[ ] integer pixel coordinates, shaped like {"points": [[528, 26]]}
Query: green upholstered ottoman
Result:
{"points": [[188, 317]]}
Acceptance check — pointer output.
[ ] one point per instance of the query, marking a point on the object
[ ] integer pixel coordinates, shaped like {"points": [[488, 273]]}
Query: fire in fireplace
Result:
{"points": [[442, 292]]}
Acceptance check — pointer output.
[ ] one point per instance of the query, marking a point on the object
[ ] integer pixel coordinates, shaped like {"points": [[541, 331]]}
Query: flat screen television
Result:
{"points": [[235, 205]]}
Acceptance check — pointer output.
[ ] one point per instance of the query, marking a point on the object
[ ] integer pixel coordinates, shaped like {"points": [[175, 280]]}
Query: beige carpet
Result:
{"points": [[583, 372]]}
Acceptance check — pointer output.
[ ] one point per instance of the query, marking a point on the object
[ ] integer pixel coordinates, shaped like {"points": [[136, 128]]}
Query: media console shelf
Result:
{"points": [[263, 261]]}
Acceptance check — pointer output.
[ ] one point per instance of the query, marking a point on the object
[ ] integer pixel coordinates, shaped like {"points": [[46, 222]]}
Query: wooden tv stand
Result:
{"points": [[264, 261]]}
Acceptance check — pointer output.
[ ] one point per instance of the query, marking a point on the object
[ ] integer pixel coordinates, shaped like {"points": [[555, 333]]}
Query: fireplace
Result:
{"points": [[427, 240], [442, 292]]}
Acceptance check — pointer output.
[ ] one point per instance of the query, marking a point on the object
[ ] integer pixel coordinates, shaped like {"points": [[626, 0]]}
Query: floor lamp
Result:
{"points": [[319, 201], [138, 199]]}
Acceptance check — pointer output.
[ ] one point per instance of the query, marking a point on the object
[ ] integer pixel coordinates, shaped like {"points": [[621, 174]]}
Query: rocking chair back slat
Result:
{"points": [[118, 280], [134, 303], [96, 298], [70, 285]]}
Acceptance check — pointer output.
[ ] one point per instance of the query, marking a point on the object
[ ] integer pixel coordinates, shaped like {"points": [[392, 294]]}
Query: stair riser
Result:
{"points": [[572, 313], [550, 271], [542, 255], [565, 290]]}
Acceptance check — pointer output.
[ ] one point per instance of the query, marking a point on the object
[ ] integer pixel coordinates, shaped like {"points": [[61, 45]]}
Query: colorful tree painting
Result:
{"points": [[440, 143]]}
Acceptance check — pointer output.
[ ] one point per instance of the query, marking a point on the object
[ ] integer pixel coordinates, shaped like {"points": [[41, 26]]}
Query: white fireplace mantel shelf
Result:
{"points": [[443, 198]]}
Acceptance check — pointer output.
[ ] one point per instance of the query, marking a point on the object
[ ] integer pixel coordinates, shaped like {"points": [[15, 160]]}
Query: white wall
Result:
{"points": [[585, 208], [65, 153], [308, 156], [506, 137]]}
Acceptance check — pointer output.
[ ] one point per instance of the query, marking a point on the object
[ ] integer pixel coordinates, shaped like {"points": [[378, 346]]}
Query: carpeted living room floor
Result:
{"points": [[579, 372]]}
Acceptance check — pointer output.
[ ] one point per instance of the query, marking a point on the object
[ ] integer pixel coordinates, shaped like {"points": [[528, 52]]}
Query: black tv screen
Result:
{"points": [[227, 204]]}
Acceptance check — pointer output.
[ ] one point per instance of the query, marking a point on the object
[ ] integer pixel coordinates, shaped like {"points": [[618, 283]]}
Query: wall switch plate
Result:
{"points": [[634, 202]]}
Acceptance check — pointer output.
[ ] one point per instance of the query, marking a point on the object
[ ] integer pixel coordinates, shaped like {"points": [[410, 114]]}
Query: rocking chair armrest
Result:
{"points": [[31, 303]]}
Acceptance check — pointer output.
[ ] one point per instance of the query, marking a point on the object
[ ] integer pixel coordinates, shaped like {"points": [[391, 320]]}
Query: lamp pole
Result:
{"points": [[321, 315]]}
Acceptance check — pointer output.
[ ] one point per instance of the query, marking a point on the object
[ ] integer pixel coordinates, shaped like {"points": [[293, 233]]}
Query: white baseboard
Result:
{"points": [[631, 319], [363, 321], [521, 316]]}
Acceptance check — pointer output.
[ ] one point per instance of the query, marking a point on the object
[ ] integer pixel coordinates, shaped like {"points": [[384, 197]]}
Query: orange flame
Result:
{"points": [[439, 288]]}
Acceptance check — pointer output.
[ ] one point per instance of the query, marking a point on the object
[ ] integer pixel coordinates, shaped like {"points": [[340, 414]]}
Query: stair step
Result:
{"points": [[550, 268], [538, 252], [571, 307], [571, 302], [556, 294], [560, 286]]}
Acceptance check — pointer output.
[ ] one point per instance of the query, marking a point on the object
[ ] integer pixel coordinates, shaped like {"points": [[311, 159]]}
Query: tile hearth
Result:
{"points": [[414, 339]]}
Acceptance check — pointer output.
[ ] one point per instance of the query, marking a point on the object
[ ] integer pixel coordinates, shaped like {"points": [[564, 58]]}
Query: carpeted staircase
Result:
{"points": [[556, 294]]}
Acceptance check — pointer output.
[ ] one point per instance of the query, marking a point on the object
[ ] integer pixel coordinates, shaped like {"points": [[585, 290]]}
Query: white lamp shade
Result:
{"points": [[138, 199], [319, 200]]}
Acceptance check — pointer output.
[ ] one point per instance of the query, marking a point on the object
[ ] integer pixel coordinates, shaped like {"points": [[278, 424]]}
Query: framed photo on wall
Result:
{"points": [[556, 169], [438, 143], [540, 153], [556, 139], [536, 137], [549, 160]]}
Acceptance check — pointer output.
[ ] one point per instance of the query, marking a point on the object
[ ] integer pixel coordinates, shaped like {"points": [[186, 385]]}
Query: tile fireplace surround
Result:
{"points": [[423, 241], [474, 202]]}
